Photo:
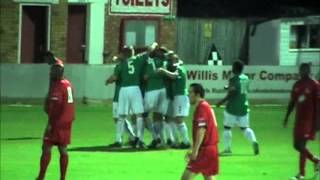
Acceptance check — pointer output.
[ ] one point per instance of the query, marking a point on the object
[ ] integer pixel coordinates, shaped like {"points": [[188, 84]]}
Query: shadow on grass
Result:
{"points": [[20, 138], [108, 149]]}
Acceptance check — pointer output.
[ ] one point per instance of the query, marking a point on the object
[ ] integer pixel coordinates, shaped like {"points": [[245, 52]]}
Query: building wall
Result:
{"points": [[195, 37], [9, 31], [59, 25], [264, 44], [10, 22], [167, 33], [295, 57]]}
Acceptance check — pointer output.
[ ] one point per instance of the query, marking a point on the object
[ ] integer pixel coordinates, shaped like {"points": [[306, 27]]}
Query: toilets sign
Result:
{"points": [[158, 7]]}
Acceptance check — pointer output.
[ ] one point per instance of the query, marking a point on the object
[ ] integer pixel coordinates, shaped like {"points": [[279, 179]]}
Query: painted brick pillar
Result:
{"points": [[9, 31], [59, 25]]}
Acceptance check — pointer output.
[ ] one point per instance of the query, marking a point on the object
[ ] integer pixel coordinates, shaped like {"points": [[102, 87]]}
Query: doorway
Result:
{"points": [[34, 33], [76, 37]]}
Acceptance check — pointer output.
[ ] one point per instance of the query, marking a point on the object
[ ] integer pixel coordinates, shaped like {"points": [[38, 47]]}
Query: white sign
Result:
{"points": [[140, 6], [265, 80]]}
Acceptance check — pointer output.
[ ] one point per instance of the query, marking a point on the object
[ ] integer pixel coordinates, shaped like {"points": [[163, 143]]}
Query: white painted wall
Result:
{"points": [[95, 29], [264, 45], [294, 57]]}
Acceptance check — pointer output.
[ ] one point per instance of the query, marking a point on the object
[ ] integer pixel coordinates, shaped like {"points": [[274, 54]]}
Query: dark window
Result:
{"points": [[305, 36], [140, 33]]}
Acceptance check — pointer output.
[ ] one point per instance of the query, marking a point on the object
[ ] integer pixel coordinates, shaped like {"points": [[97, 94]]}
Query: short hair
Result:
{"points": [[305, 65], [198, 89], [128, 50], [238, 66]]}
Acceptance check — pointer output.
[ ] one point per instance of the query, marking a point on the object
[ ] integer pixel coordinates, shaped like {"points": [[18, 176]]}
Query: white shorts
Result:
{"points": [[156, 101], [232, 120], [115, 109], [181, 106], [130, 98]]}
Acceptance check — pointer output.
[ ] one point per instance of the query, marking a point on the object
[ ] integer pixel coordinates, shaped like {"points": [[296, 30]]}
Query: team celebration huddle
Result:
{"points": [[151, 94]]}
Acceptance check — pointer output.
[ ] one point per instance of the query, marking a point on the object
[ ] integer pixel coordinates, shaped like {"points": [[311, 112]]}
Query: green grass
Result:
{"points": [[22, 129]]}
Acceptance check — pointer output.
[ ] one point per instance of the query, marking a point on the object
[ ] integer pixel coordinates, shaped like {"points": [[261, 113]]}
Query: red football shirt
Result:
{"points": [[61, 104], [205, 117], [306, 95]]}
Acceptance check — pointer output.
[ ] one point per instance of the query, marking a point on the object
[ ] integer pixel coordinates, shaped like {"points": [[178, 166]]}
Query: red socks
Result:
{"points": [[44, 162], [302, 163], [63, 165], [304, 155]]}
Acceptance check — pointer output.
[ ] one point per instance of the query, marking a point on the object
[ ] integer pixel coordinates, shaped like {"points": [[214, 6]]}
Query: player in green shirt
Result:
{"points": [[127, 126], [155, 99], [237, 109], [180, 102], [130, 98]]}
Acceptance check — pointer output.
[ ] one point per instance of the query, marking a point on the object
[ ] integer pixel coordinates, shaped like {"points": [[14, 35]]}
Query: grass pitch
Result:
{"points": [[93, 129]]}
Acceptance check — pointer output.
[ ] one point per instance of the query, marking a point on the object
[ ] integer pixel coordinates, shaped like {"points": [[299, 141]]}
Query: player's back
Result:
{"points": [[155, 80], [305, 94], [204, 115], [238, 103], [130, 71], [179, 84]]}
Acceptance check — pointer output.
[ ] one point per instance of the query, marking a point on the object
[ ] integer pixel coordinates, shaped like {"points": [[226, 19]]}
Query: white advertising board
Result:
{"points": [[265, 81]]}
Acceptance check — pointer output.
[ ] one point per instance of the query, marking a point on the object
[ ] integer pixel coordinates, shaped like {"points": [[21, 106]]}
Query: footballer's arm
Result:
{"points": [[231, 92], [171, 75], [198, 141], [111, 79], [289, 110]]}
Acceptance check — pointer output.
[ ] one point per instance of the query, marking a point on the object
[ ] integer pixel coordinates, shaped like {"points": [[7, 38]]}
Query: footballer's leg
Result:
{"points": [[158, 127], [228, 122], [300, 146], [168, 131], [188, 175], [45, 160], [208, 177], [248, 132], [140, 134], [64, 158], [227, 140], [183, 130]]}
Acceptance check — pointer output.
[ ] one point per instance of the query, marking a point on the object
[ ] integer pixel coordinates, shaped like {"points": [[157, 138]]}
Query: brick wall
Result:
{"points": [[112, 32], [9, 31], [59, 26]]}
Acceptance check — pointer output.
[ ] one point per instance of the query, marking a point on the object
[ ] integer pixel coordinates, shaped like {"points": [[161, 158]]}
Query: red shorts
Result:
{"points": [[59, 137], [207, 162], [304, 132]]}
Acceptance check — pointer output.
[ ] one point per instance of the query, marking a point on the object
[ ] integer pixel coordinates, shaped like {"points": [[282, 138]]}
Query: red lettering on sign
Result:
{"points": [[148, 2], [139, 3], [126, 2], [165, 2]]}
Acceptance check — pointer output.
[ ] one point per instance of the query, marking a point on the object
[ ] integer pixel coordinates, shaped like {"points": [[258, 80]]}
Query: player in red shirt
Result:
{"points": [[203, 157], [305, 96], [60, 110]]}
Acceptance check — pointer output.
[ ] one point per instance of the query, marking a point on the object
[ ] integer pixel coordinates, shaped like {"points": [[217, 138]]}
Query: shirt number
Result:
{"points": [[70, 97], [151, 61], [130, 67]]}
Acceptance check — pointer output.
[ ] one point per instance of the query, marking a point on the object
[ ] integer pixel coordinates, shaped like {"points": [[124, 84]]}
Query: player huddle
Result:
{"points": [[150, 85]]}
